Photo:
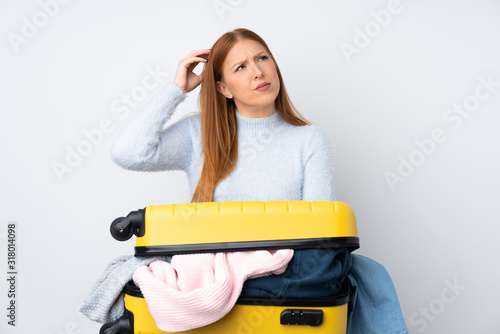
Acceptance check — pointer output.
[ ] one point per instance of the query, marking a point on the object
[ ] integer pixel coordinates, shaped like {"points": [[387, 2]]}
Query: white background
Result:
{"points": [[438, 228]]}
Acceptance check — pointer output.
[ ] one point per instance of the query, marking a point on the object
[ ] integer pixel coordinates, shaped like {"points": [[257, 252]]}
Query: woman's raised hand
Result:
{"points": [[185, 77]]}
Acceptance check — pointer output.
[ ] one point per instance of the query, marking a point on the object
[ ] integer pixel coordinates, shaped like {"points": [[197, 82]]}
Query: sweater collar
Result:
{"points": [[267, 124]]}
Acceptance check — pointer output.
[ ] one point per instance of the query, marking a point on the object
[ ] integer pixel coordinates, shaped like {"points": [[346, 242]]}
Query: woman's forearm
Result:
{"points": [[139, 146]]}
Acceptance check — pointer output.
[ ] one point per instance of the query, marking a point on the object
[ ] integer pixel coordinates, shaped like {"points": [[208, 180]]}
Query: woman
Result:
{"points": [[250, 143]]}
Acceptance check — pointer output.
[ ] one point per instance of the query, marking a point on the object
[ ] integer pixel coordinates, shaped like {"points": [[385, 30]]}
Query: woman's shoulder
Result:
{"points": [[313, 128], [313, 138], [193, 117], [311, 132], [191, 120]]}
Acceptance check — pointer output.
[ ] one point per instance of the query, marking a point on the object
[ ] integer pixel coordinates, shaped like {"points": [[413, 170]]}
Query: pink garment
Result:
{"points": [[195, 290]]}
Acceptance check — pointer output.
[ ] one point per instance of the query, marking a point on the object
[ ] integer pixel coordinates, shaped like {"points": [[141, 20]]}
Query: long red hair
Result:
{"points": [[218, 119]]}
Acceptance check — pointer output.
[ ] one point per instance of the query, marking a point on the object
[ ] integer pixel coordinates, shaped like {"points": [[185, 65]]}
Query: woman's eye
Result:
{"points": [[263, 57]]}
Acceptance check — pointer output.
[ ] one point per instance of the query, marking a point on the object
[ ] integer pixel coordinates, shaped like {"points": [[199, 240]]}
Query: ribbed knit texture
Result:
{"points": [[276, 160], [195, 290], [105, 302]]}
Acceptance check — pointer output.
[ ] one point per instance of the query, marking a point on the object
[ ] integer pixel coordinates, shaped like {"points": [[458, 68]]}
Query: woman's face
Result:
{"points": [[246, 66]]}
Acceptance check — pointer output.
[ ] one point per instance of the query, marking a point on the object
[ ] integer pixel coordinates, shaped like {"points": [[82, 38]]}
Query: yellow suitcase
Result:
{"points": [[237, 226]]}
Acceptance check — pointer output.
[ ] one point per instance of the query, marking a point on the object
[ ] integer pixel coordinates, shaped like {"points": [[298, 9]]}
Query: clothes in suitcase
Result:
{"points": [[224, 227]]}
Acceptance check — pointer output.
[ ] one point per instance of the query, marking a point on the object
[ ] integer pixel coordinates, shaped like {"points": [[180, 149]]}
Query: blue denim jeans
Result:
{"points": [[320, 273], [376, 307], [310, 273]]}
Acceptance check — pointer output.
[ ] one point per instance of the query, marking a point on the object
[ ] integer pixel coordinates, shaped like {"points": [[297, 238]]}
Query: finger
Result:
{"points": [[200, 58], [201, 51], [194, 62], [191, 67], [198, 53]]}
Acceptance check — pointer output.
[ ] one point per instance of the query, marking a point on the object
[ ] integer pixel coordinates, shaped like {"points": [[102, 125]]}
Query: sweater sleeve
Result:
{"points": [[144, 145], [318, 169]]}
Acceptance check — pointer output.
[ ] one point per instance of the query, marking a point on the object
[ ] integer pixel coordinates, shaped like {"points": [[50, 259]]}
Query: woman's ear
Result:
{"points": [[223, 90]]}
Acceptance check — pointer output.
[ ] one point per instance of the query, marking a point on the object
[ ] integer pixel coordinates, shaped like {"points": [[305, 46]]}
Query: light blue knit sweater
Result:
{"points": [[276, 160]]}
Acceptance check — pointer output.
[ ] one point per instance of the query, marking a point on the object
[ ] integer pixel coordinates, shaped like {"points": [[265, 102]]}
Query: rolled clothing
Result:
{"points": [[195, 290], [105, 302]]}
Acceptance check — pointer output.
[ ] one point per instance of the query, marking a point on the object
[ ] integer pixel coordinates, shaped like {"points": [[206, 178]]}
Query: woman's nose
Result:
{"points": [[257, 71]]}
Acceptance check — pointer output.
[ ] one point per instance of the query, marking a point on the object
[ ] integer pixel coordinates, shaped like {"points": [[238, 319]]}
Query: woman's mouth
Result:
{"points": [[263, 86]]}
